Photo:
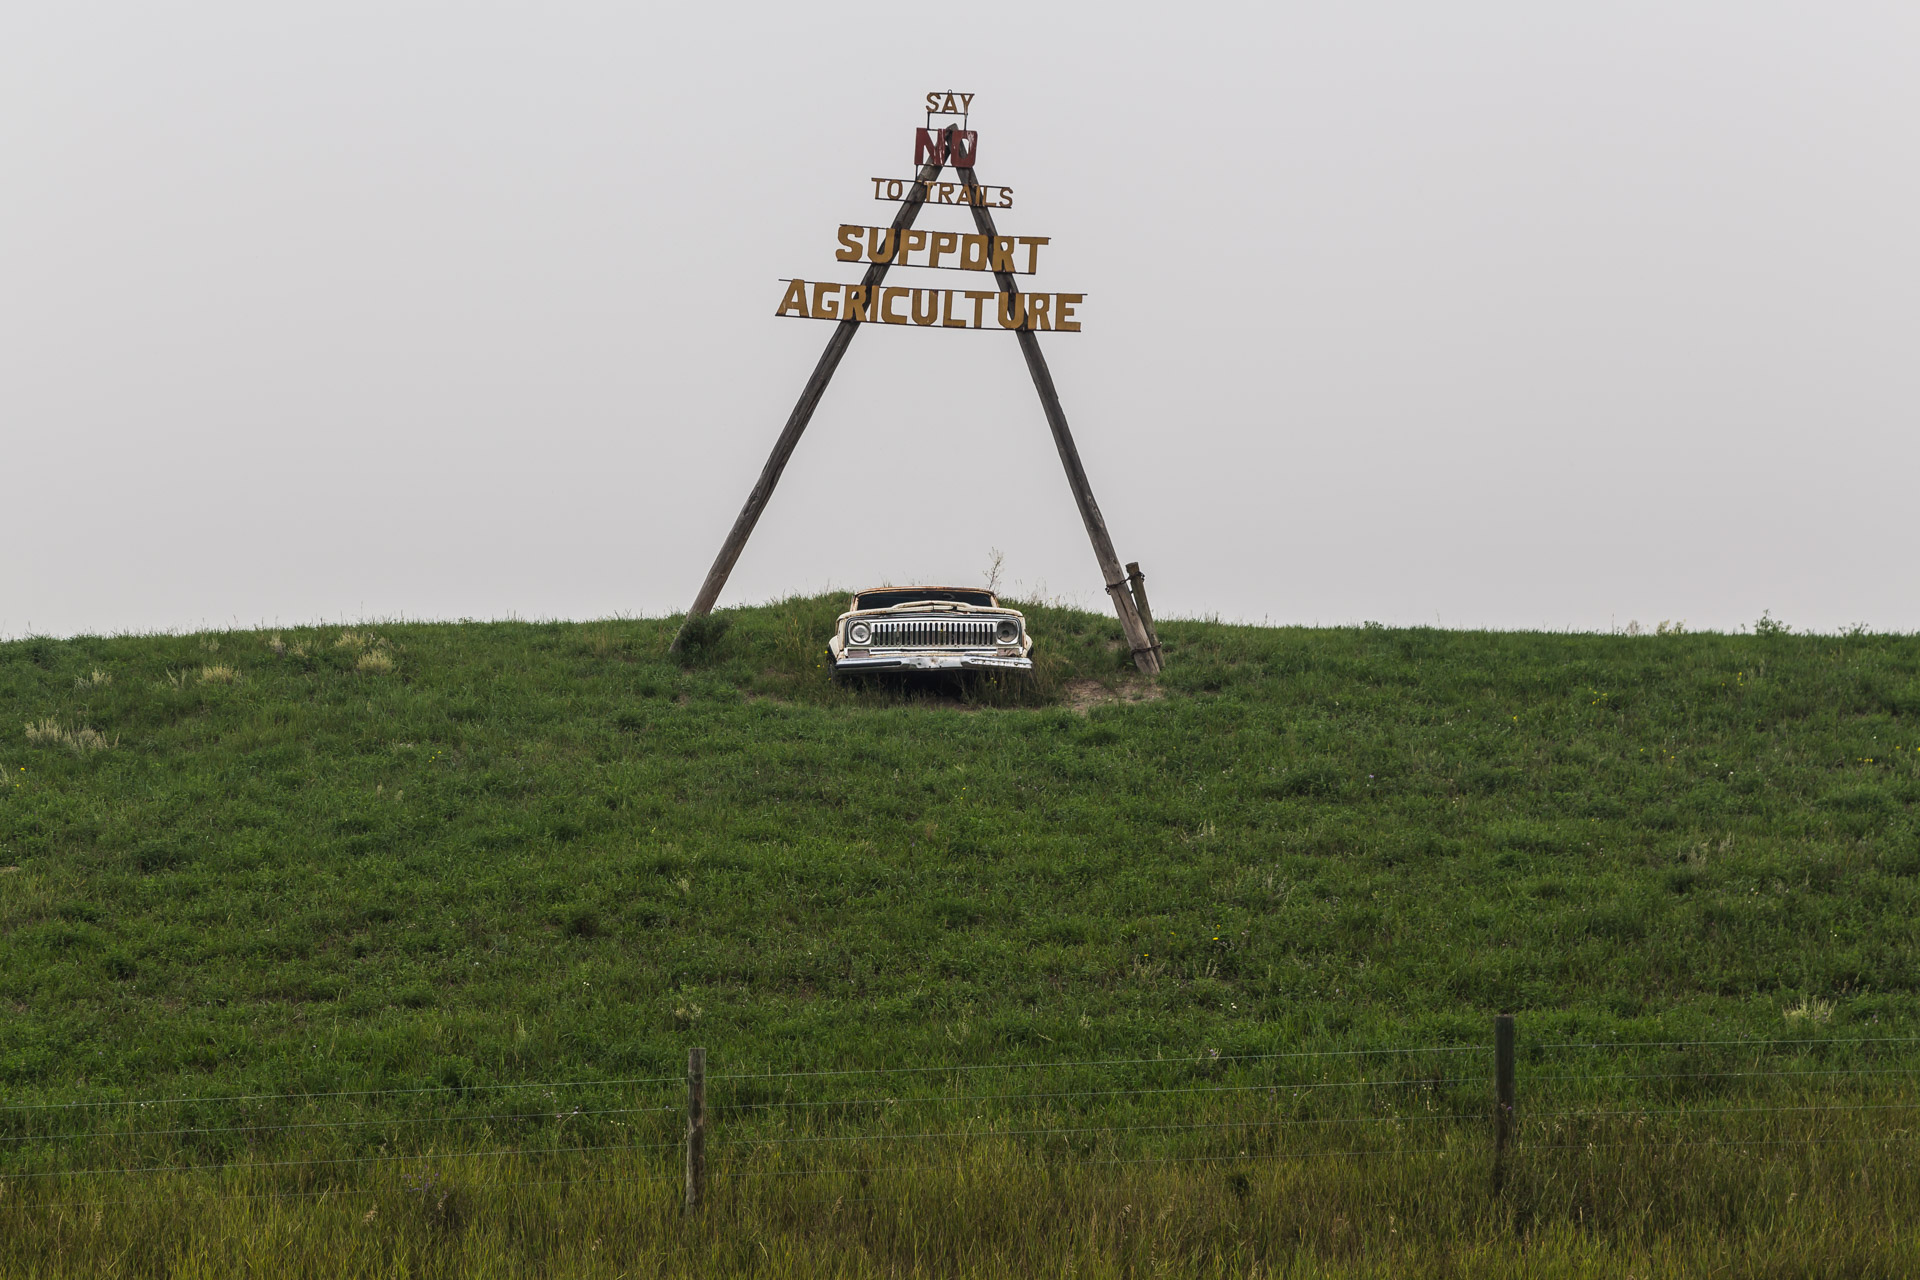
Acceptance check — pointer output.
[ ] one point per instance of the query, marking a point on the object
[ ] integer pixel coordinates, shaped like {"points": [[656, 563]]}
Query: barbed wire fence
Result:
{"points": [[858, 1127]]}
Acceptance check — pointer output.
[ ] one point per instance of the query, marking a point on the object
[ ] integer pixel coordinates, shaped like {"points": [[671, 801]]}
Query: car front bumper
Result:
{"points": [[916, 660]]}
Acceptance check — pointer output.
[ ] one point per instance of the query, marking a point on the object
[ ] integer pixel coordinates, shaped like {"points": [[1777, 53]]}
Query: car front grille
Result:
{"points": [[933, 633]]}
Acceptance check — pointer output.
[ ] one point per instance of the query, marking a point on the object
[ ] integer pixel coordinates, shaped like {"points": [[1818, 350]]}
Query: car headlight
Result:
{"points": [[859, 633], [1007, 632]]}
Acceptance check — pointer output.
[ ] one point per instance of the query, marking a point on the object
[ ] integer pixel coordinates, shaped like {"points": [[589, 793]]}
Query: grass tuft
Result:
{"points": [[80, 739]]}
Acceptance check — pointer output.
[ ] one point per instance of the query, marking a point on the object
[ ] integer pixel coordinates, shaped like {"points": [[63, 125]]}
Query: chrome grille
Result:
{"points": [[933, 633]]}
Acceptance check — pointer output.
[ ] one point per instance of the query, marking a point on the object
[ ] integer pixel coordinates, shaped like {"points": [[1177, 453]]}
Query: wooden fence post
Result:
{"points": [[696, 1128], [1503, 1094]]}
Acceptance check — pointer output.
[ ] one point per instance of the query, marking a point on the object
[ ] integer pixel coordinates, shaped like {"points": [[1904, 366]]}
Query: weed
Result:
{"points": [[700, 637], [601, 641]]}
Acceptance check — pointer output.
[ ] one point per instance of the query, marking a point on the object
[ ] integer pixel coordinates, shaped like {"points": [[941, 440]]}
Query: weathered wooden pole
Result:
{"points": [[1137, 583], [696, 1128], [802, 414], [1145, 652]]}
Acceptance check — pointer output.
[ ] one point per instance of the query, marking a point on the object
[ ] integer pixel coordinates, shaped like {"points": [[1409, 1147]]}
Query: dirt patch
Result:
{"points": [[1083, 696]]}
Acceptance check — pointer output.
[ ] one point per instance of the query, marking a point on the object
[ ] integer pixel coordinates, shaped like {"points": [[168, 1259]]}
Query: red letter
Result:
{"points": [[929, 142]]}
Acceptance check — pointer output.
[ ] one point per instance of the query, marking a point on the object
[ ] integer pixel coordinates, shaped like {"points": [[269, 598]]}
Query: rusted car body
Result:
{"points": [[909, 629]]}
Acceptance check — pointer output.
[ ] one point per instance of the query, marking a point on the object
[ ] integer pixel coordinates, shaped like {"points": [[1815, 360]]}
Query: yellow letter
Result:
{"points": [[881, 242], [825, 308], [943, 242], [887, 298], [1037, 317], [1063, 311], [1003, 253], [849, 250], [932, 312], [979, 301], [1013, 310], [796, 299], [910, 243], [973, 253], [933, 101], [1006, 197], [1033, 244]]}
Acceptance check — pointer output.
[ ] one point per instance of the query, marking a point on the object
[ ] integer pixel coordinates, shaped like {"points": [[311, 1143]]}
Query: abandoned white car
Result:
{"points": [[929, 629]]}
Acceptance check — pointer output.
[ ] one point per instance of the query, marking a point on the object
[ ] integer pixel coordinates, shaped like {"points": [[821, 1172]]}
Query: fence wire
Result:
{"points": [[1099, 1126]]}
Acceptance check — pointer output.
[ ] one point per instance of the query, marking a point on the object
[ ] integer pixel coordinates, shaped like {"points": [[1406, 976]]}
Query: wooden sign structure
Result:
{"points": [[850, 306]]}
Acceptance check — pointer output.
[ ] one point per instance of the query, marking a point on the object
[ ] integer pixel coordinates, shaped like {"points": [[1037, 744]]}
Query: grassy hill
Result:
{"points": [[416, 855]]}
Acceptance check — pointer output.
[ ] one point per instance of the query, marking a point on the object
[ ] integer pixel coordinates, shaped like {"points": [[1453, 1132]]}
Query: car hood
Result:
{"points": [[934, 606]]}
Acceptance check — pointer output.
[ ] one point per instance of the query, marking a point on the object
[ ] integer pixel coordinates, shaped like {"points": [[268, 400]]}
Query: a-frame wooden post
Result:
{"points": [[1146, 649], [1145, 646], [802, 414]]}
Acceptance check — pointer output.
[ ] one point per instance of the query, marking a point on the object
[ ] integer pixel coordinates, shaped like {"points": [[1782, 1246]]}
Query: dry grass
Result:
{"points": [[375, 652], [219, 675], [991, 1209], [1084, 695], [1810, 1010], [80, 740]]}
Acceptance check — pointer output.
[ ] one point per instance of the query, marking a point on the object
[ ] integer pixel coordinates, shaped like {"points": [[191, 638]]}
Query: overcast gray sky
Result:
{"points": [[1483, 314]]}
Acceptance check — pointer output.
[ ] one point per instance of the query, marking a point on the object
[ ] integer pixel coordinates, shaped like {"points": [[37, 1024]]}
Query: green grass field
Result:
{"points": [[458, 859]]}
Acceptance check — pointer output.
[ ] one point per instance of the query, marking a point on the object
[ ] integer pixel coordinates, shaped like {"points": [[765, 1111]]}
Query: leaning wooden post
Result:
{"points": [[696, 1128], [1137, 583], [1503, 1094], [1144, 654], [797, 420]]}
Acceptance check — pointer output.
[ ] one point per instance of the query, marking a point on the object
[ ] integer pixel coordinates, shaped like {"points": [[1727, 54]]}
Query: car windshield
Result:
{"points": [[916, 595]]}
